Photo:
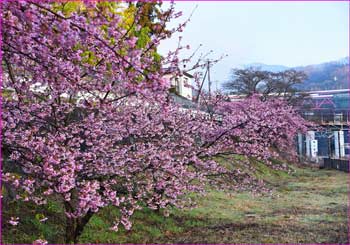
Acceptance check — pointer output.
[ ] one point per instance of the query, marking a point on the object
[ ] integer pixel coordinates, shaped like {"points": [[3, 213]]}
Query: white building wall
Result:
{"points": [[336, 144], [186, 87], [314, 149], [183, 85], [300, 144], [341, 144], [310, 135]]}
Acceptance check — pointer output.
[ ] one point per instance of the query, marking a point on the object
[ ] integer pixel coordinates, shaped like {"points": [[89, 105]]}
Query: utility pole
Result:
{"points": [[200, 88], [207, 64], [207, 72], [209, 83]]}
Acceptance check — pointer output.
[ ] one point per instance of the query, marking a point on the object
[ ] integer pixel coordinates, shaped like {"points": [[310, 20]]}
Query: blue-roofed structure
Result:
{"points": [[330, 110]]}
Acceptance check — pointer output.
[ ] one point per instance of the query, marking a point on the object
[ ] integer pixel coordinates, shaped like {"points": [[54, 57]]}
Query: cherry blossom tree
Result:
{"points": [[88, 118]]}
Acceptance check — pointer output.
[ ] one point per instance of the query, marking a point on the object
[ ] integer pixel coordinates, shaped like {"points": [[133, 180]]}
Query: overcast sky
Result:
{"points": [[275, 33]]}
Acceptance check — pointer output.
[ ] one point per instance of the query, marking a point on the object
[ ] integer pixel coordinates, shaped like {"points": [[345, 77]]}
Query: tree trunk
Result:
{"points": [[82, 222], [75, 226], [70, 230]]}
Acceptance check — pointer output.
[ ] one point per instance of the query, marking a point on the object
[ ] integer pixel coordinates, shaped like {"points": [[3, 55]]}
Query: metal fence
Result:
{"points": [[339, 164]]}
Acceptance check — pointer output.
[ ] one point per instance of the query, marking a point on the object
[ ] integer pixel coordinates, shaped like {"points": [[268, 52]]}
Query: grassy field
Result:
{"points": [[307, 206]]}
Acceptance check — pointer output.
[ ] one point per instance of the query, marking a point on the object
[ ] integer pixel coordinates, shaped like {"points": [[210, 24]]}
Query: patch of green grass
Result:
{"points": [[30, 227], [307, 206], [265, 172], [317, 218]]}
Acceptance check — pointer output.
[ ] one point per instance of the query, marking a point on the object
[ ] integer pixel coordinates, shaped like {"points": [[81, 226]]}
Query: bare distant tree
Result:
{"points": [[246, 81], [281, 84]]}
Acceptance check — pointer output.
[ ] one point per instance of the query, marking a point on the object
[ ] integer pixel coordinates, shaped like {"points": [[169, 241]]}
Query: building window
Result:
{"points": [[186, 81], [338, 117], [178, 85]]}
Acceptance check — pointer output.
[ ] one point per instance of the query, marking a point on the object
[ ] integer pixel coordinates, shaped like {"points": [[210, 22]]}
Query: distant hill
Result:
{"points": [[324, 76], [330, 75], [264, 67]]}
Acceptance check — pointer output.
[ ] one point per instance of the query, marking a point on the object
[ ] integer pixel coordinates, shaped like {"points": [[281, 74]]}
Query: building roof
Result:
{"points": [[171, 70]]}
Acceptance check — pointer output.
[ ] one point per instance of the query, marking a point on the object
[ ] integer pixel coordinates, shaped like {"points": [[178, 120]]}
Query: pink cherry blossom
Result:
{"points": [[40, 242], [14, 221], [107, 132]]}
